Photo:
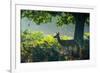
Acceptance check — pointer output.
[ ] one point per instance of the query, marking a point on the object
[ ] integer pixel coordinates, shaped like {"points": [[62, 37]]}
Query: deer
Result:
{"points": [[71, 47]]}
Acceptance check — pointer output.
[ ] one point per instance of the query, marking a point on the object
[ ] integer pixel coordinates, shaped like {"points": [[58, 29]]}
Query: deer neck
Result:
{"points": [[59, 40]]}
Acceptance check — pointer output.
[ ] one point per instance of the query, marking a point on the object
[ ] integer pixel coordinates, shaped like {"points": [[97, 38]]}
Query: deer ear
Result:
{"points": [[57, 32]]}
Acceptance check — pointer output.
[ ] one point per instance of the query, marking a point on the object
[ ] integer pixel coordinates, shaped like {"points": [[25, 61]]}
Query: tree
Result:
{"points": [[62, 18], [80, 19]]}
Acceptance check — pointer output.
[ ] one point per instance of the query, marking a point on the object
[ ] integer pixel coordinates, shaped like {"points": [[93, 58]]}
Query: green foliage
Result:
{"points": [[46, 16], [36, 16], [28, 41], [66, 38], [64, 18], [37, 47], [86, 35]]}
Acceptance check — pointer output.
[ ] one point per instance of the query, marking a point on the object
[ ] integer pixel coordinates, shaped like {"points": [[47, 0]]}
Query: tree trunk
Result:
{"points": [[79, 29]]}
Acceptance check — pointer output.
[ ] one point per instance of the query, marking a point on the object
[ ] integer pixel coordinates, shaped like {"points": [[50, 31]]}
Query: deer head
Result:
{"points": [[57, 35]]}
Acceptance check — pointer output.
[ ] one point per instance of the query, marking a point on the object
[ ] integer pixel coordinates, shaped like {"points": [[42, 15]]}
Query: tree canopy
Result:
{"points": [[46, 16]]}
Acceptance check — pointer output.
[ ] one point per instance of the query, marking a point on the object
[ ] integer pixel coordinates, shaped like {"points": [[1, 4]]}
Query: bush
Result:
{"points": [[38, 47]]}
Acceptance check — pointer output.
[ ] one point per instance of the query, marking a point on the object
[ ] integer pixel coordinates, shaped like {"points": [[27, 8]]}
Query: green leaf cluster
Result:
{"points": [[46, 16], [36, 46], [39, 47]]}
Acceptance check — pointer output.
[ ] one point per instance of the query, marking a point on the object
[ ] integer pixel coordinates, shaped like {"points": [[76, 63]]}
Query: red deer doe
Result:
{"points": [[70, 47]]}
